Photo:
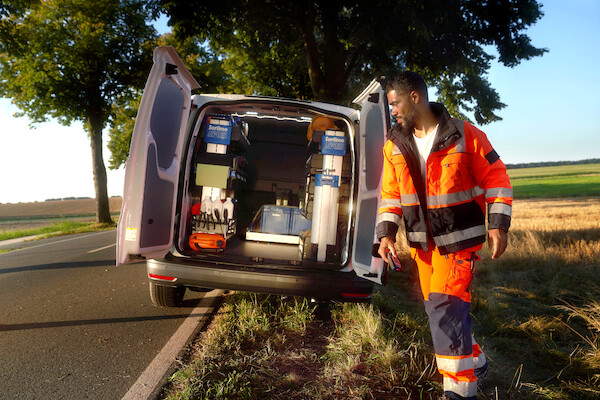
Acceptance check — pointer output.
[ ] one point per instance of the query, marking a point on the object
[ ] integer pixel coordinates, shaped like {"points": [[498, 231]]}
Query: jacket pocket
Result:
{"points": [[454, 172], [461, 273]]}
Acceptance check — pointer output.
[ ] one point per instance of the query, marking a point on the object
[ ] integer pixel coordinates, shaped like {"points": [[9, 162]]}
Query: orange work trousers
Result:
{"points": [[445, 282]]}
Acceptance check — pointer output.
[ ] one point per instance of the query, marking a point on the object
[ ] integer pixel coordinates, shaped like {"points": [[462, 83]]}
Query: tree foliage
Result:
{"points": [[72, 60], [281, 47]]}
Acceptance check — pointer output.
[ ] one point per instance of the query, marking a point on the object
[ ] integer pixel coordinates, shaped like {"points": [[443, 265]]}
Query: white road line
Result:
{"points": [[58, 241], [147, 384], [102, 248]]}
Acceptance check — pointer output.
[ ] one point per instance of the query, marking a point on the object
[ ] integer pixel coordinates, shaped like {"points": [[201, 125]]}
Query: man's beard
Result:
{"points": [[407, 124]]}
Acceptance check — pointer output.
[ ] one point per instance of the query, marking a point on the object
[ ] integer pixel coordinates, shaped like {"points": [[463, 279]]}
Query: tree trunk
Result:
{"points": [[100, 182], [312, 55]]}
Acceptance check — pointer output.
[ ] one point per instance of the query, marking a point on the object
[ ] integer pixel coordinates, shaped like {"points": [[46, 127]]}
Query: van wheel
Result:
{"points": [[166, 296]]}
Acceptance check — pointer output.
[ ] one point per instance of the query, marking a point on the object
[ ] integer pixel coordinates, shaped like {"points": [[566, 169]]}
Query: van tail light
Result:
{"points": [[162, 278]]}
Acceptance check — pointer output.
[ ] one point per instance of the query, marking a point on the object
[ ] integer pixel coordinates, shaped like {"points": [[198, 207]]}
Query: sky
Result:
{"points": [[552, 114]]}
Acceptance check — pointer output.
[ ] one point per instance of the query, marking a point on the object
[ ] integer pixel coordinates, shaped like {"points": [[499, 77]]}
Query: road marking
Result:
{"points": [[58, 241], [102, 248], [154, 377]]}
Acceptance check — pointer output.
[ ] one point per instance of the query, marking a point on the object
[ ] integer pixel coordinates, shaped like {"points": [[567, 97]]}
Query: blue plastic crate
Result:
{"points": [[280, 220], [299, 222]]}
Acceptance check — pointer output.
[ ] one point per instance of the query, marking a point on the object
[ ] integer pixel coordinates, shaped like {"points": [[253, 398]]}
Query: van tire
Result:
{"points": [[166, 296]]}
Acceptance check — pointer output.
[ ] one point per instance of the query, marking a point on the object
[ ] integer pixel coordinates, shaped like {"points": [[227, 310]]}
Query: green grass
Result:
{"points": [[56, 229], [562, 181]]}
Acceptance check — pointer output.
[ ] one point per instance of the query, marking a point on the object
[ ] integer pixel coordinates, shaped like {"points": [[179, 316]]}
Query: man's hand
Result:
{"points": [[387, 244], [497, 242]]}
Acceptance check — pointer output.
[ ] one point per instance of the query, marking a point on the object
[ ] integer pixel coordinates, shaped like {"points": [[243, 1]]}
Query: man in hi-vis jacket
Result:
{"points": [[441, 175]]}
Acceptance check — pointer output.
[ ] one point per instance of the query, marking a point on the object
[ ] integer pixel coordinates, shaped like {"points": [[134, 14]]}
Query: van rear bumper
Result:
{"points": [[319, 284]]}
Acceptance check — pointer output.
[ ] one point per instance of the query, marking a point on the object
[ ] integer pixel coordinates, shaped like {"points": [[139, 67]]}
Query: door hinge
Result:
{"points": [[171, 69], [374, 97]]}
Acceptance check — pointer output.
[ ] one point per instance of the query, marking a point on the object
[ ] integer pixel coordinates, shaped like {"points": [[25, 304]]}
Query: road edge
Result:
{"points": [[150, 383]]}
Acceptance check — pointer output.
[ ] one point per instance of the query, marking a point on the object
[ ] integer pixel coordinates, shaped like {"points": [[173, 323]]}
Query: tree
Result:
{"points": [[341, 45], [72, 60]]}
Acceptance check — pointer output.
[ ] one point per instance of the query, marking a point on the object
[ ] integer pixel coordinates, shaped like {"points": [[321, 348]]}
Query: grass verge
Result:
{"points": [[261, 346], [56, 229]]}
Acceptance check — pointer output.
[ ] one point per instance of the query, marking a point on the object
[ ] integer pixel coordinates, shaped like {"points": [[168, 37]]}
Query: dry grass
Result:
{"points": [[536, 307]]}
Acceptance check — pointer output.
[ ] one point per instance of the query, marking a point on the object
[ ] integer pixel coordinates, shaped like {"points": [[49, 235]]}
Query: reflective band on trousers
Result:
{"points": [[461, 388], [459, 236], [389, 217], [498, 192], [454, 364], [409, 199], [417, 236], [390, 203], [500, 208], [452, 198]]}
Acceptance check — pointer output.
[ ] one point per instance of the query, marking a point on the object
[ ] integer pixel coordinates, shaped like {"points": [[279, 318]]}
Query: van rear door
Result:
{"points": [[374, 123], [146, 224]]}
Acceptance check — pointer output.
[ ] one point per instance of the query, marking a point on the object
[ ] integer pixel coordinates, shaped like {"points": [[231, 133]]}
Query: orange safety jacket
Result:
{"points": [[448, 207]]}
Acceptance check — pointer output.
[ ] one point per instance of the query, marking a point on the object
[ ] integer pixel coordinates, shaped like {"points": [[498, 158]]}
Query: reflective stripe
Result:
{"points": [[480, 360], [396, 151], [500, 208], [417, 236], [390, 203], [498, 192], [389, 217], [409, 199], [452, 198], [454, 364], [459, 236], [464, 389]]}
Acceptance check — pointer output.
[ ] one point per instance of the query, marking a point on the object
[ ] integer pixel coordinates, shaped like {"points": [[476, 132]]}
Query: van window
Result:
{"points": [[374, 147], [166, 113]]}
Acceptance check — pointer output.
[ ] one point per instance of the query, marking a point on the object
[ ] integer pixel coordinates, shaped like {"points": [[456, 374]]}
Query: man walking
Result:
{"points": [[441, 175]]}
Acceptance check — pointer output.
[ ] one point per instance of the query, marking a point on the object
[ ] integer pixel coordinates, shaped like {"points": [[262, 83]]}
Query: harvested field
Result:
{"points": [[55, 208], [24, 216]]}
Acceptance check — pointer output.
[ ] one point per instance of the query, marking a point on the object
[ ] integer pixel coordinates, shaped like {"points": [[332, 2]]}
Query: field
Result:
{"points": [[30, 216], [562, 181]]}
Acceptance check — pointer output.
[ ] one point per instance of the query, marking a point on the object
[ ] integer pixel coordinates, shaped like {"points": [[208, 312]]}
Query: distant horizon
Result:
{"points": [[533, 164]]}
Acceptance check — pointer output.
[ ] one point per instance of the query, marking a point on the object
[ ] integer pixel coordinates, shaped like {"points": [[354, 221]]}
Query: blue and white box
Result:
{"points": [[333, 145]]}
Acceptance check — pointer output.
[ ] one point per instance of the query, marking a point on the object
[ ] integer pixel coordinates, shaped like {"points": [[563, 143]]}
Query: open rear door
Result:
{"points": [[146, 224], [374, 123]]}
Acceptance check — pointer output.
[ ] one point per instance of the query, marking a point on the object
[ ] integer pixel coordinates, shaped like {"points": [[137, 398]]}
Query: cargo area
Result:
{"points": [[267, 184]]}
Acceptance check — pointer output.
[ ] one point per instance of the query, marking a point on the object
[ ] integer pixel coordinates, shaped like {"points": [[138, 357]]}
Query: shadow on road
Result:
{"points": [[59, 324], [77, 264]]}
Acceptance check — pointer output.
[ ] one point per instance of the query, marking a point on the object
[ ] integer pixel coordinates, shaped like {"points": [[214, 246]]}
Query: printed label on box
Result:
{"points": [[333, 145], [218, 134], [327, 180]]}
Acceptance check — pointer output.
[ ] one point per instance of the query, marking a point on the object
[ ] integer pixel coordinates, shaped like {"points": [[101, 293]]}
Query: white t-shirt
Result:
{"points": [[424, 146]]}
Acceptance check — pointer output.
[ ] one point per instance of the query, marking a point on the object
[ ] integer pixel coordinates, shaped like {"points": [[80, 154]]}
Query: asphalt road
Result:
{"points": [[74, 326]]}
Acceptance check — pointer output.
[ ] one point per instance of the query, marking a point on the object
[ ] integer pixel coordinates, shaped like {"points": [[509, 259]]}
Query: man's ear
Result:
{"points": [[415, 97]]}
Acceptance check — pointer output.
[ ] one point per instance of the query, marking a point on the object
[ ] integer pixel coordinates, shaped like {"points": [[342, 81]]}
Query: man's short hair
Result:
{"points": [[405, 82]]}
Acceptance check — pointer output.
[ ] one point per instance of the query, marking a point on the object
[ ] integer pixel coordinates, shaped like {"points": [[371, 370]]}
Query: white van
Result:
{"points": [[252, 193]]}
